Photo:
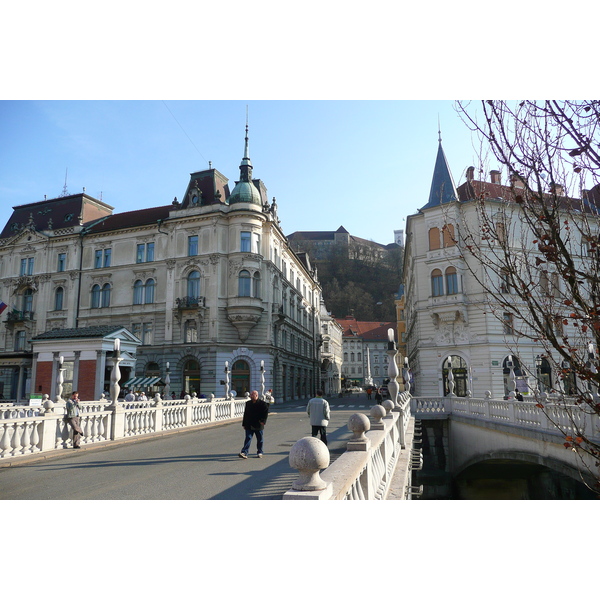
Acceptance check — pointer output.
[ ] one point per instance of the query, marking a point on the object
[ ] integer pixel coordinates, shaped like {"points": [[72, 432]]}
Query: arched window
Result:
{"points": [[257, 290], [544, 283], [459, 372], [434, 238], [451, 281], [105, 300], [58, 298], [149, 293], [437, 283], [244, 284], [240, 377], [96, 296], [193, 284], [138, 292], [191, 377]]}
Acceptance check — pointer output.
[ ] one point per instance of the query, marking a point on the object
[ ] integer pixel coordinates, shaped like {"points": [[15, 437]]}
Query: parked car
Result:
{"points": [[384, 391]]}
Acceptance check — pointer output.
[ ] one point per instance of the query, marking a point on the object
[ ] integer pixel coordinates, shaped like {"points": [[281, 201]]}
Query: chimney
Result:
{"points": [[516, 181], [495, 176], [470, 173]]}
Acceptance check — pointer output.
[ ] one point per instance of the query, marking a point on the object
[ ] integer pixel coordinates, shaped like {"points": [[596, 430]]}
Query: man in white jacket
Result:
{"points": [[318, 411]]}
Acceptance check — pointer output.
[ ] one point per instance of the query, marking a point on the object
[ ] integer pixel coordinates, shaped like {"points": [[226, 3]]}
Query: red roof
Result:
{"points": [[367, 330]]}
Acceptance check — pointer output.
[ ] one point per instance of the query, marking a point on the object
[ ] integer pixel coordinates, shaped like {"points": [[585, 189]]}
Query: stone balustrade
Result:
{"points": [[29, 430], [553, 418], [371, 462]]}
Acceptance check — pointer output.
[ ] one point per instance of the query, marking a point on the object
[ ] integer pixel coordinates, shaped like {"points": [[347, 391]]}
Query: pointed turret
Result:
{"points": [[245, 191], [443, 189]]}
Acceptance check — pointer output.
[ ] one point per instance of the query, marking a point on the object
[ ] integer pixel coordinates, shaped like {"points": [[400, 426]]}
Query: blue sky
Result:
{"points": [[361, 164]]}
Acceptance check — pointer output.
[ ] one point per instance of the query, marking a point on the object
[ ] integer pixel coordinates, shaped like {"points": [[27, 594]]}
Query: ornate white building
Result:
{"points": [[447, 313], [199, 283], [331, 353]]}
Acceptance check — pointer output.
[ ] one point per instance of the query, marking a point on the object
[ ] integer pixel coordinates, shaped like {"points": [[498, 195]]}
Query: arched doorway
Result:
{"points": [[506, 372], [459, 372], [240, 377], [191, 377]]}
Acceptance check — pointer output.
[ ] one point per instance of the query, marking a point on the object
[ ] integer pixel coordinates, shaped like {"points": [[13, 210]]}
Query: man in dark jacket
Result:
{"points": [[255, 416]]}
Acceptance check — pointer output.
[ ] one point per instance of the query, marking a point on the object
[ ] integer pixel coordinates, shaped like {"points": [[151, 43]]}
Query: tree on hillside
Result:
{"points": [[539, 246]]}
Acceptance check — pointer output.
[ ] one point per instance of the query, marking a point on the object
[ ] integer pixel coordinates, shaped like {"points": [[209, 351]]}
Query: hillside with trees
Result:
{"points": [[363, 288]]}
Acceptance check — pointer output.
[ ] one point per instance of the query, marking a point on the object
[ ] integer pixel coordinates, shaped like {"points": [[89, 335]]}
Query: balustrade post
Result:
{"points": [[48, 431], [358, 424], [377, 413], [308, 456]]}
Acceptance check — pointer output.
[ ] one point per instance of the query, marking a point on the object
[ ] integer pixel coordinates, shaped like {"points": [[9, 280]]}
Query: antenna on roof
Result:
{"points": [[439, 130], [65, 192]]}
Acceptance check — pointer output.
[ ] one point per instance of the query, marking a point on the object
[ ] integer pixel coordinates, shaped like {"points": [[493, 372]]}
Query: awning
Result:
{"points": [[135, 382]]}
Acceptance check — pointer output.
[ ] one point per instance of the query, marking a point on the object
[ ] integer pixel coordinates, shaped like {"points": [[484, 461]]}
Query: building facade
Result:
{"points": [[365, 352], [201, 283], [331, 354], [449, 317]]}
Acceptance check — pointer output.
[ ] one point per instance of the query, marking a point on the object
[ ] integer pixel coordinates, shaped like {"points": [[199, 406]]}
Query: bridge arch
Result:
{"points": [[508, 475]]}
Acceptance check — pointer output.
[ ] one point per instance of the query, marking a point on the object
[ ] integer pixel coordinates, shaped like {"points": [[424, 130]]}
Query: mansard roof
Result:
{"points": [[56, 213], [133, 218]]}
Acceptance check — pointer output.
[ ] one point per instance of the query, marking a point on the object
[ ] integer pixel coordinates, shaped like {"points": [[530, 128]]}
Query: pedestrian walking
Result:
{"points": [[318, 411], [130, 397], [255, 417], [73, 418], [378, 396]]}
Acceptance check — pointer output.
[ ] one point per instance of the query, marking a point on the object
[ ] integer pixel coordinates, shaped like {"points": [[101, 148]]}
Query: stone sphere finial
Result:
{"points": [[308, 456], [48, 404], [377, 413], [488, 395], [388, 405], [358, 424]]}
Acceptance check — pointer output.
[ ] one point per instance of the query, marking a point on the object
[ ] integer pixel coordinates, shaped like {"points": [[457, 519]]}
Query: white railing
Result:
{"points": [[552, 418], [365, 470], [29, 430]]}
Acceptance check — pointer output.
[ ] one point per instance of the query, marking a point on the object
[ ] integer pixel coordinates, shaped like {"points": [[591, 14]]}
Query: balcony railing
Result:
{"points": [[190, 302], [18, 316]]}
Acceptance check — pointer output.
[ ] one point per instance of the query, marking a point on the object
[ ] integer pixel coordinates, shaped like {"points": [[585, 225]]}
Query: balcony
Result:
{"points": [[190, 302], [19, 316]]}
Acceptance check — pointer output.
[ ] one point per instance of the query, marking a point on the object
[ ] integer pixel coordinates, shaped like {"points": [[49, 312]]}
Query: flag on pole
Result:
{"points": [[2, 307]]}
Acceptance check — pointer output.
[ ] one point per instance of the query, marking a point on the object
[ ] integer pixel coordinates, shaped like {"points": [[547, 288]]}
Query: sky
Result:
{"points": [[364, 165]]}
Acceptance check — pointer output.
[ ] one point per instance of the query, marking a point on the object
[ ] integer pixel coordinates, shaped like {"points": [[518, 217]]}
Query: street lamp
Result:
{"points": [[538, 373]]}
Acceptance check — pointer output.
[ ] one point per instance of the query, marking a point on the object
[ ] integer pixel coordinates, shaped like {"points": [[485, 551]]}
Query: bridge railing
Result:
{"points": [[366, 469], [29, 430], [552, 418]]}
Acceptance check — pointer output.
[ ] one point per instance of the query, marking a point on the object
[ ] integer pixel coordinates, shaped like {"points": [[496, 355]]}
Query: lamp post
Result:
{"points": [[59, 381], [226, 380], [392, 367], [593, 370], [450, 379], [406, 375], [538, 374], [262, 379], [511, 378], [115, 375], [167, 388]]}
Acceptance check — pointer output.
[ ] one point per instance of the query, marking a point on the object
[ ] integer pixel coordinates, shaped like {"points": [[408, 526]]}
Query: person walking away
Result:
{"points": [[73, 418], [255, 417], [318, 411], [130, 397], [369, 392], [378, 396]]}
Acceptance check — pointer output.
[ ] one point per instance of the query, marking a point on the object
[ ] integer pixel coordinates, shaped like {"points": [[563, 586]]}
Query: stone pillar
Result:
{"points": [[358, 424]]}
